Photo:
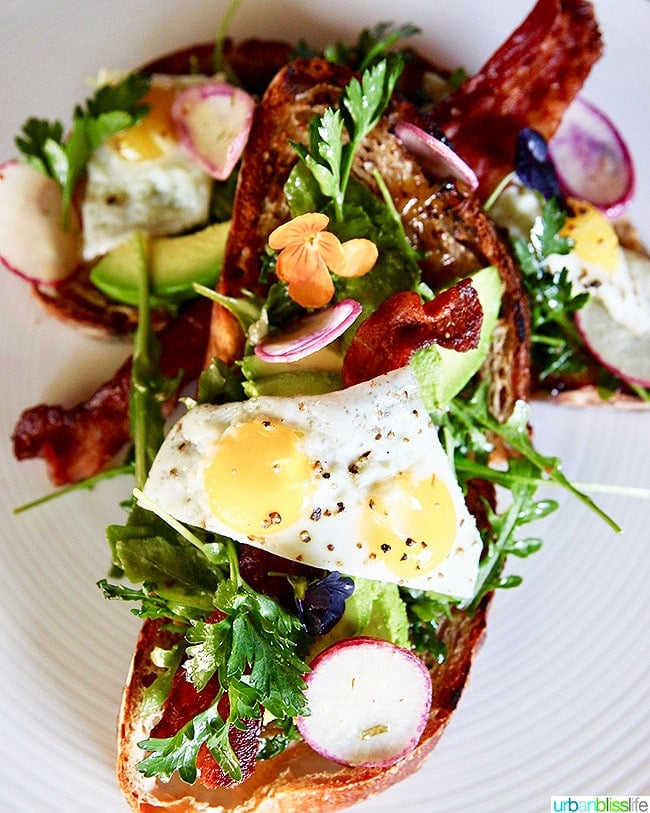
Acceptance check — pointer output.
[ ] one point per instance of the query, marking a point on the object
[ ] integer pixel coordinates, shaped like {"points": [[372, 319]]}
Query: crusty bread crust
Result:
{"points": [[451, 227], [298, 779]]}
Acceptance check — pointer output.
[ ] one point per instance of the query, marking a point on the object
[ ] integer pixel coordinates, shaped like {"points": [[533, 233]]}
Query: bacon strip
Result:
{"points": [[79, 442], [402, 325], [528, 82]]}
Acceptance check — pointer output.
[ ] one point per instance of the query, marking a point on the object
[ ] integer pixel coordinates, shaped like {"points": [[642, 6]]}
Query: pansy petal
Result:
{"points": [[313, 293], [329, 247], [299, 230], [361, 255], [299, 262]]}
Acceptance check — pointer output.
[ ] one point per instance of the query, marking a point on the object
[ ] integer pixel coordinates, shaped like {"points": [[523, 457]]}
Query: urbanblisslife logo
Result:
{"points": [[600, 804]]}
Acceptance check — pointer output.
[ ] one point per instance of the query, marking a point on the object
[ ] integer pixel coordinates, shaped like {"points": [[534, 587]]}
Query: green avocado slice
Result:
{"points": [[441, 372], [176, 264]]}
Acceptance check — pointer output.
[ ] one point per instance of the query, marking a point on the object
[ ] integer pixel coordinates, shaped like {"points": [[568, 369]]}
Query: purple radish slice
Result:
{"points": [[310, 333], [369, 701], [213, 122], [33, 241], [436, 157], [592, 160], [623, 353]]}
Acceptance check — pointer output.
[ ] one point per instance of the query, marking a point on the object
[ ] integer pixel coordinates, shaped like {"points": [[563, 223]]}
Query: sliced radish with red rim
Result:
{"points": [[436, 157], [592, 160], [369, 702], [310, 333], [34, 242], [213, 123], [620, 351]]}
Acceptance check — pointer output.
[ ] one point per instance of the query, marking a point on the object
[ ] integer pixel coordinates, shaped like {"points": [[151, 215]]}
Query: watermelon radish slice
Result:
{"points": [[435, 156], [33, 241], [369, 702], [623, 353], [592, 160]]}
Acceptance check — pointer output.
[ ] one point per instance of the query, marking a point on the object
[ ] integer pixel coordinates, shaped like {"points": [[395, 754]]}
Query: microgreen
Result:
{"points": [[112, 109], [330, 155]]}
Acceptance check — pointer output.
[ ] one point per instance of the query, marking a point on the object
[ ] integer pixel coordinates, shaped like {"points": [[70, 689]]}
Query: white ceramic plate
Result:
{"points": [[558, 702]]}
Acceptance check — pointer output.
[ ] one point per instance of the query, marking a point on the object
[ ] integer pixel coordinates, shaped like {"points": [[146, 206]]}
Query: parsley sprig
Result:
{"points": [[557, 347], [113, 108], [255, 652], [372, 45], [336, 135]]}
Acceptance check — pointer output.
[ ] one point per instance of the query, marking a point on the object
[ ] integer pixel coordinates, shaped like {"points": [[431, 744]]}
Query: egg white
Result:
{"points": [[623, 291], [166, 195], [369, 433]]}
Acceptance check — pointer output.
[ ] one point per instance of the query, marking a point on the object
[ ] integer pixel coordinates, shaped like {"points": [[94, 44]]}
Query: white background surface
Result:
{"points": [[558, 702]]}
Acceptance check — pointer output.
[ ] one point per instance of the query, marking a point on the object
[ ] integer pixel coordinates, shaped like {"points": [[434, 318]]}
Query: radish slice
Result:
{"points": [[435, 156], [592, 160], [369, 702], [213, 123], [619, 350], [33, 241], [309, 334]]}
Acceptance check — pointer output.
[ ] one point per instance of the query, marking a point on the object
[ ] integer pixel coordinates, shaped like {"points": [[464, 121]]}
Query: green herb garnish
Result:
{"points": [[557, 348], [372, 45], [112, 109], [330, 155]]}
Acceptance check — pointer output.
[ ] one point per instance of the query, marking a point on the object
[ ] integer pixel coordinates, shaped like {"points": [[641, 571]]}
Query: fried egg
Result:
{"points": [[597, 263], [354, 481], [142, 178]]}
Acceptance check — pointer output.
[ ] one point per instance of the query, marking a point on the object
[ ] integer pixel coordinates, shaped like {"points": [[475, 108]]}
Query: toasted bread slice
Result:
{"points": [[451, 226]]}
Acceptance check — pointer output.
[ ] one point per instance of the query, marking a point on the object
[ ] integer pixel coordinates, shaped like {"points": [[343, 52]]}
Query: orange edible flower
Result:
{"points": [[309, 255]]}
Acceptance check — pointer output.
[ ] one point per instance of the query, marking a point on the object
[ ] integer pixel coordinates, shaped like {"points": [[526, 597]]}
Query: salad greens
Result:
{"points": [[557, 347]]}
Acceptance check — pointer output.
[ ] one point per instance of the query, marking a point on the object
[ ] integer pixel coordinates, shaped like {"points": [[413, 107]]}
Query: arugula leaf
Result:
{"points": [[329, 156], [112, 109], [515, 434], [557, 347], [149, 387]]}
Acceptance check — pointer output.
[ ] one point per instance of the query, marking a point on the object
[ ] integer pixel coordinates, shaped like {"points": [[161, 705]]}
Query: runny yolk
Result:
{"points": [[150, 137], [258, 479], [410, 526], [595, 239]]}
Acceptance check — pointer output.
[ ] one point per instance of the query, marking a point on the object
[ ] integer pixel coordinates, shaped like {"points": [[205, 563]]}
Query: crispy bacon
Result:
{"points": [[79, 442], [402, 325], [528, 82]]}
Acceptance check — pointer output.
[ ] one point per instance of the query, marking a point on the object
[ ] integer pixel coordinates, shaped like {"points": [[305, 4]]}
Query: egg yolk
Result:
{"points": [[410, 526], [152, 136], [594, 237], [258, 479]]}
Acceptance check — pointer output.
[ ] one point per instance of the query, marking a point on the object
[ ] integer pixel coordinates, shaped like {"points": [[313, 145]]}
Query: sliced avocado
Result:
{"points": [[300, 382], [176, 263], [442, 373]]}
